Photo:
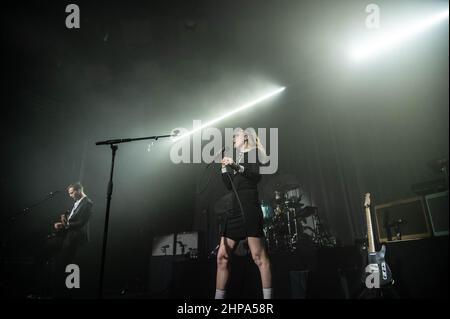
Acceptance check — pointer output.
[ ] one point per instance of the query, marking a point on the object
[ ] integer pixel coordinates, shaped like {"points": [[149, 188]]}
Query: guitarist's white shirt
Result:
{"points": [[77, 203]]}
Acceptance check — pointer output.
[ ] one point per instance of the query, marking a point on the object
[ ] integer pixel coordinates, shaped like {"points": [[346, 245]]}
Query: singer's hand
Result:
{"points": [[227, 161], [58, 226]]}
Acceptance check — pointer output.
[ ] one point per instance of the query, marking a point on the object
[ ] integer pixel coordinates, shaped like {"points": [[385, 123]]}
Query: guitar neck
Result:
{"points": [[371, 247]]}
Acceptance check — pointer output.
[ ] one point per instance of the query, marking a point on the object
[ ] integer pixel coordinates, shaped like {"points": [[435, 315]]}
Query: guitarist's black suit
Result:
{"points": [[76, 231], [63, 246]]}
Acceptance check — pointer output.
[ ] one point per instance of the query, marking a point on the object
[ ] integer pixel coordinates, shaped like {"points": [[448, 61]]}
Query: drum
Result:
{"points": [[293, 194], [267, 211], [278, 197], [292, 197], [276, 238]]}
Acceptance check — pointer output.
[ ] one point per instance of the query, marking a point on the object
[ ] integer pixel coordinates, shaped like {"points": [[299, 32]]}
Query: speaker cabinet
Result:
{"points": [[437, 205], [163, 245], [187, 243], [402, 220]]}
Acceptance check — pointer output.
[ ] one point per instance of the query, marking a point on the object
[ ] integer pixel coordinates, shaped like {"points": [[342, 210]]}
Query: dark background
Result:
{"points": [[138, 68]]}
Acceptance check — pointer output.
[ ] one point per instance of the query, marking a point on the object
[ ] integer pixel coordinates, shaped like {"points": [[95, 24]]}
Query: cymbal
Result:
{"points": [[278, 183], [306, 212]]}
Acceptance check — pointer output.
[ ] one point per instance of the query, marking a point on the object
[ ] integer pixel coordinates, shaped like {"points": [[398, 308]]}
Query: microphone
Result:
{"points": [[175, 133], [224, 149], [54, 193]]}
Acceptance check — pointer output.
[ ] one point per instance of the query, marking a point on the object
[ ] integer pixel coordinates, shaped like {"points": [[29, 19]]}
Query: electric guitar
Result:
{"points": [[61, 232], [376, 261]]}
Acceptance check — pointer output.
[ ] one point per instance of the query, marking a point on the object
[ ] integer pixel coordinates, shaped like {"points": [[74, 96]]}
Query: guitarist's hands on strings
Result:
{"points": [[64, 219], [62, 224]]}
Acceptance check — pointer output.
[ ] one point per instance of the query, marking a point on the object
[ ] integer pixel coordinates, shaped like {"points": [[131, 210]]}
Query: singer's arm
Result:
{"points": [[248, 170]]}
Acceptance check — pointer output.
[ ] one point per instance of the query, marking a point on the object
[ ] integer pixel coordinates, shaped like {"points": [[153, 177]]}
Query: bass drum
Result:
{"points": [[277, 234]]}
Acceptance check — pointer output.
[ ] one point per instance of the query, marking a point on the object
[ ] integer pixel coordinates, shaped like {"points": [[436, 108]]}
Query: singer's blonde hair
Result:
{"points": [[252, 141]]}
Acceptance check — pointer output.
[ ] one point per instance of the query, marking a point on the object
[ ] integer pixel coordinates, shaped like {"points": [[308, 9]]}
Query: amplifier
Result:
{"points": [[163, 245], [186, 243], [437, 205], [402, 220]]}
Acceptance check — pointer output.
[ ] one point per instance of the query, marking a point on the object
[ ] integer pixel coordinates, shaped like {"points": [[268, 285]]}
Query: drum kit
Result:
{"points": [[289, 224]]}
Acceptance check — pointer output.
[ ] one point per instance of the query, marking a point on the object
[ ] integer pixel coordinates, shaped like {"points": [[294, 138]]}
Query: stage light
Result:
{"points": [[237, 110], [390, 39]]}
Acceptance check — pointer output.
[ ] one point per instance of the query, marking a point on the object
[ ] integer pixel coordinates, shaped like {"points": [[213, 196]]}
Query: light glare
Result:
{"points": [[389, 40], [239, 109]]}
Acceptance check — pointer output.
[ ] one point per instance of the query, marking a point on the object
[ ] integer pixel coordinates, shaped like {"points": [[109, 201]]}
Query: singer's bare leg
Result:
{"points": [[223, 256], [261, 260]]}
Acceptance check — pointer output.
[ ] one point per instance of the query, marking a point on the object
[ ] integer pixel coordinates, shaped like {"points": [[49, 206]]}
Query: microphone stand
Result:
{"points": [[114, 146], [13, 218], [26, 210]]}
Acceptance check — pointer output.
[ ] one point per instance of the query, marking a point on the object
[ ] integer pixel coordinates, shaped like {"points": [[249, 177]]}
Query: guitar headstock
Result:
{"points": [[367, 200]]}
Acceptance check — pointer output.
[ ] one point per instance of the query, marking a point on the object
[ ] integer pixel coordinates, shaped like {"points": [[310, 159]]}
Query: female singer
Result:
{"points": [[246, 221]]}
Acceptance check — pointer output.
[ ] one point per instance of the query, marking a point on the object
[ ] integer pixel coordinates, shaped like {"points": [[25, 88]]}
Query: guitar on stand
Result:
{"points": [[377, 274]]}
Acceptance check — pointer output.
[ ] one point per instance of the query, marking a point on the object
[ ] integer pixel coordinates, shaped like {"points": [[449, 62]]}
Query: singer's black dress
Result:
{"points": [[238, 225]]}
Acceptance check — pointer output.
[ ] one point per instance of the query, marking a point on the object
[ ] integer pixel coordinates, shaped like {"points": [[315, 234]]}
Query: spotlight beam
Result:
{"points": [[237, 110], [389, 40]]}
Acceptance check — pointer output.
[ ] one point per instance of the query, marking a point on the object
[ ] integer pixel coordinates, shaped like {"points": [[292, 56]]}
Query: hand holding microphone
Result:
{"points": [[227, 161]]}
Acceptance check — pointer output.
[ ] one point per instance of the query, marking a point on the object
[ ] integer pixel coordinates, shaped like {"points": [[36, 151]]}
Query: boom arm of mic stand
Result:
{"points": [[127, 140], [26, 210]]}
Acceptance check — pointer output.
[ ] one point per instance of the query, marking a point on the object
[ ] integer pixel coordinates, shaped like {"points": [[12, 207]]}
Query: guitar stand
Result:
{"points": [[379, 293]]}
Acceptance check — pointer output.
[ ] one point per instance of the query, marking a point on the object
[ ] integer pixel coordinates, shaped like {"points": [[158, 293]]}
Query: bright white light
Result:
{"points": [[389, 40], [239, 109]]}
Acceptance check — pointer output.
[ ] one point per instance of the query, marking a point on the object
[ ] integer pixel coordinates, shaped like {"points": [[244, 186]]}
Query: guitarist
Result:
{"points": [[74, 226], [62, 245]]}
